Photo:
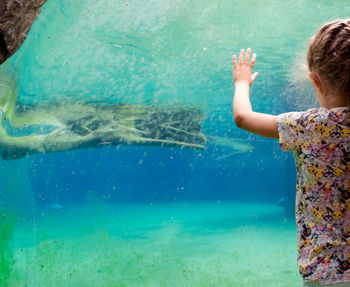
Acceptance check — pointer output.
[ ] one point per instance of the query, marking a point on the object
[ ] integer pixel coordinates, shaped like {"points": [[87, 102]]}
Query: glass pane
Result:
{"points": [[120, 161]]}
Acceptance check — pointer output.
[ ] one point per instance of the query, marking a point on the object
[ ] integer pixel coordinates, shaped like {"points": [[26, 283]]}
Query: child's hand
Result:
{"points": [[242, 73]]}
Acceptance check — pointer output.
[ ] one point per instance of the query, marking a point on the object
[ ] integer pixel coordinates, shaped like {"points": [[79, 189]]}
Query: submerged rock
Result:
{"points": [[16, 19]]}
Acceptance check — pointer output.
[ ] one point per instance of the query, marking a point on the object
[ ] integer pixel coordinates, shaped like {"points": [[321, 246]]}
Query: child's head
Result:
{"points": [[329, 56]]}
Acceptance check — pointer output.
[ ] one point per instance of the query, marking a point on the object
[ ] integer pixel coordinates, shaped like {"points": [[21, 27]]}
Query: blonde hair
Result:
{"points": [[329, 56]]}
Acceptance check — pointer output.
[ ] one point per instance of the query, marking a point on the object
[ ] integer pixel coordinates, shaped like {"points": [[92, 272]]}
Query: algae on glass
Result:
{"points": [[7, 226]]}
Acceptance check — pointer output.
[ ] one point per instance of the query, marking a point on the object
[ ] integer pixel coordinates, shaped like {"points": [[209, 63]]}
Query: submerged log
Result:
{"points": [[26, 130], [83, 125], [16, 19]]}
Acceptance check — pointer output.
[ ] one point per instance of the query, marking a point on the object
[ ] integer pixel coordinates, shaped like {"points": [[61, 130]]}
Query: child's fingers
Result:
{"points": [[247, 56], [234, 60], [254, 76], [240, 60], [252, 62]]}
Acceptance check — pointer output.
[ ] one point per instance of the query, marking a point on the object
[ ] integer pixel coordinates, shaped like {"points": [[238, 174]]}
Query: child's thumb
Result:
{"points": [[254, 77]]}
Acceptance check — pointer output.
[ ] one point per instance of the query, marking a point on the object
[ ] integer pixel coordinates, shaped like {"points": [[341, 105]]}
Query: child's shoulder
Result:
{"points": [[322, 121], [337, 115]]}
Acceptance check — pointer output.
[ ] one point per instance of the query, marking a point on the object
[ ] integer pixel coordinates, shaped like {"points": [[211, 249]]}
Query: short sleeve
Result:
{"points": [[290, 129]]}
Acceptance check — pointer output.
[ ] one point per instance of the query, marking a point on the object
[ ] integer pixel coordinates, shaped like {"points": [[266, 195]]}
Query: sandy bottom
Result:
{"points": [[182, 244]]}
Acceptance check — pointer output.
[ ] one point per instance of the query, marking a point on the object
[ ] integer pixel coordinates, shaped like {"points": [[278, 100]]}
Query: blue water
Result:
{"points": [[150, 174], [146, 215]]}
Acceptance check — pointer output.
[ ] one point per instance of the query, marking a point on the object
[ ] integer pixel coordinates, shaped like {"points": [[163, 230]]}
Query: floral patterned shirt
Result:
{"points": [[320, 141]]}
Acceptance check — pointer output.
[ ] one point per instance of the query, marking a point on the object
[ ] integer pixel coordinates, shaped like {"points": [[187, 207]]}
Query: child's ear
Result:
{"points": [[316, 80]]}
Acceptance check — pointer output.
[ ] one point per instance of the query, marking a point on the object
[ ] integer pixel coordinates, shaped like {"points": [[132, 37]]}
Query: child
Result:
{"points": [[320, 141]]}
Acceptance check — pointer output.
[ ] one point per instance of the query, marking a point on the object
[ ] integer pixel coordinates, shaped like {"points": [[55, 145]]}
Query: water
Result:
{"points": [[134, 215]]}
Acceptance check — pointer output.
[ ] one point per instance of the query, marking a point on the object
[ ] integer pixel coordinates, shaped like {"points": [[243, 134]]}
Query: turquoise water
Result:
{"points": [[182, 244], [130, 215]]}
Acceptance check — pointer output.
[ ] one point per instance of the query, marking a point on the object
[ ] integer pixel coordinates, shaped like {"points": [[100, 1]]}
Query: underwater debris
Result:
{"points": [[234, 145], [55, 206], [42, 129]]}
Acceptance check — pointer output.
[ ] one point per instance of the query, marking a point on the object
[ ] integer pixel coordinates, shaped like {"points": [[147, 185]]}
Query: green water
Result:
{"points": [[173, 51]]}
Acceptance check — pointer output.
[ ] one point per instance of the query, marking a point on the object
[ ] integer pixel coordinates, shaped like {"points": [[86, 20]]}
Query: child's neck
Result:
{"points": [[331, 101]]}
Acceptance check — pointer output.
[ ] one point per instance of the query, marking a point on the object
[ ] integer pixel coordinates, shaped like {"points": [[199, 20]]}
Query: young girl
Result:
{"points": [[320, 141]]}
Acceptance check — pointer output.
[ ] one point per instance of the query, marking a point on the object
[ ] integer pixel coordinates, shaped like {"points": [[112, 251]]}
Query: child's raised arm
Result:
{"points": [[261, 124]]}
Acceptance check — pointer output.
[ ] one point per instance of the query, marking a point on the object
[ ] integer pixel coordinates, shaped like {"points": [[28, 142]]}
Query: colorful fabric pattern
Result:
{"points": [[320, 141]]}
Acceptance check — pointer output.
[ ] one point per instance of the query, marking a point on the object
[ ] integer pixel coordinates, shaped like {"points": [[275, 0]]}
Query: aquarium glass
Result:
{"points": [[121, 163]]}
